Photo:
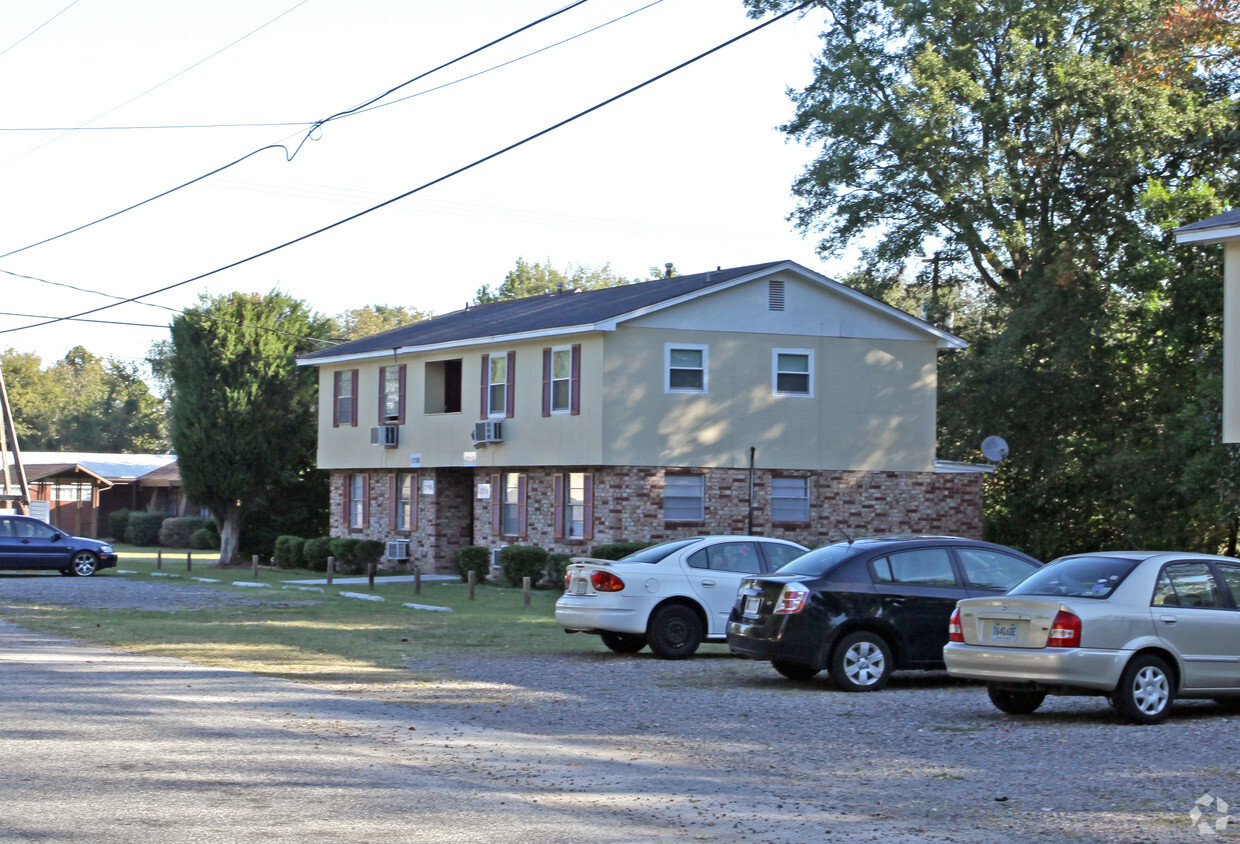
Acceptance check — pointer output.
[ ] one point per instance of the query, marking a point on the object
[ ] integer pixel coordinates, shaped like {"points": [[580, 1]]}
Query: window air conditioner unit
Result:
{"points": [[488, 432], [495, 566], [384, 435], [398, 550]]}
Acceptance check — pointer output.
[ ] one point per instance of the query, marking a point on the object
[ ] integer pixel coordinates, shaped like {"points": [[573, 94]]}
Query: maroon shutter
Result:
{"points": [[521, 486], [575, 385], [353, 399], [413, 501], [365, 501], [400, 380], [557, 520], [382, 395], [587, 511], [336, 399], [497, 506], [393, 491], [484, 408], [511, 386], [546, 392], [346, 510]]}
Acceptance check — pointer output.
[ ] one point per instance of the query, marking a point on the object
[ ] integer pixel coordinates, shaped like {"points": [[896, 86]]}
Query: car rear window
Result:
{"points": [[655, 553], [1077, 577], [818, 561]]}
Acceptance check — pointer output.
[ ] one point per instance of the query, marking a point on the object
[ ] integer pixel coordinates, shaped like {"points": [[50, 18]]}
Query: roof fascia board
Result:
{"points": [[493, 340], [1206, 236]]}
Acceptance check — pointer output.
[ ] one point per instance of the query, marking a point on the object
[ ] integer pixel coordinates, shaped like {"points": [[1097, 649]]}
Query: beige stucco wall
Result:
{"points": [[873, 406], [1231, 342]]}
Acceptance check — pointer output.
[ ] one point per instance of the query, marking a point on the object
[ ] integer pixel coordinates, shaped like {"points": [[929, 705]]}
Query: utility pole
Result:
{"points": [[9, 435]]}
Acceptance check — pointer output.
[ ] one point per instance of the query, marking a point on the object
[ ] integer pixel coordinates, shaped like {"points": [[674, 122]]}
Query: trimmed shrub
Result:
{"points": [[345, 551], [315, 553], [521, 561], [368, 551], [556, 566], [473, 558], [143, 528], [288, 551], [204, 539], [118, 523], [616, 550], [175, 532]]}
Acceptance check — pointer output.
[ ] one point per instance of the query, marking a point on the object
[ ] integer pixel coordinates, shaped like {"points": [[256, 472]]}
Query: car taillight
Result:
{"points": [[605, 581], [1065, 631], [955, 633], [568, 579], [792, 600]]}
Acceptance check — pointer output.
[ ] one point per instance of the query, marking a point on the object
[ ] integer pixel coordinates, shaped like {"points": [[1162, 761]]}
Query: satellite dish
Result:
{"points": [[995, 448]]}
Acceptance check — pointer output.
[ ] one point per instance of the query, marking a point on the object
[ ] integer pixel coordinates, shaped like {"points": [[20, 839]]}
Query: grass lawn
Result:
{"points": [[321, 637]]}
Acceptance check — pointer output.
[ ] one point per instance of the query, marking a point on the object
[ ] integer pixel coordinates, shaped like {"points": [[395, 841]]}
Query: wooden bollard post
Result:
{"points": [[254, 558], [189, 561], [331, 569], [417, 580], [159, 560], [470, 578], [370, 574], [525, 590]]}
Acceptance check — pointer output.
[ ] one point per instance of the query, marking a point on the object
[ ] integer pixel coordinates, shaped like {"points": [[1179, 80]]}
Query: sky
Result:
{"points": [[690, 170]]}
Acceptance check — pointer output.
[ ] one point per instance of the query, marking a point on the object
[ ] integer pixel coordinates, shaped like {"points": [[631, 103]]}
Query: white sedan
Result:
{"points": [[672, 596]]}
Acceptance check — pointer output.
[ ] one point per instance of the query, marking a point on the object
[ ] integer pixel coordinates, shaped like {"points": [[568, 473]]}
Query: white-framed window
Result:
{"points": [[406, 500], [684, 498], [497, 390], [344, 398], [789, 499], [685, 368], [575, 505], [510, 501], [562, 380], [392, 393], [358, 494], [792, 372]]}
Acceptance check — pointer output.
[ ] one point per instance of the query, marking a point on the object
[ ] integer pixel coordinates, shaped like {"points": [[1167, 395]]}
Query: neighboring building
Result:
{"points": [[632, 413], [83, 489], [1225, 229]]}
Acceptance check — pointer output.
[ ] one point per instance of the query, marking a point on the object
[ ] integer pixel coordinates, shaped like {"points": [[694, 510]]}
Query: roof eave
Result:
{"points": [[1215, 234]]}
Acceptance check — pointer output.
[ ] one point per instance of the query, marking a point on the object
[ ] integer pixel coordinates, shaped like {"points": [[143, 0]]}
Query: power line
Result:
{"points": [[40, 26], [289, 156], [436, 181]]}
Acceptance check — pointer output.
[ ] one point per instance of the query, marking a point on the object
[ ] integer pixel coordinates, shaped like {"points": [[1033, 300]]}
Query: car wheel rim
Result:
{"points": [[676, 633], [863, 663], [84, 564], [1150, 690]]}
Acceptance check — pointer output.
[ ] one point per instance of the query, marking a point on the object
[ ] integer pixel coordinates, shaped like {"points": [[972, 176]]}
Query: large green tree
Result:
{"points": [[82, 403], [536, 279], [1031, 140], [243, 412], [375, 319]]}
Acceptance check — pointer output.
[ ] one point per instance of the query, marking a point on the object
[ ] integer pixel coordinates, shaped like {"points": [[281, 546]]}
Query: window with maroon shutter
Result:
{"points": [[392, 395]]}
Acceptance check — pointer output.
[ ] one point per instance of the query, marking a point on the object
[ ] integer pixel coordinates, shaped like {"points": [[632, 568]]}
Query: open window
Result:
{"points": [[443, 386]]}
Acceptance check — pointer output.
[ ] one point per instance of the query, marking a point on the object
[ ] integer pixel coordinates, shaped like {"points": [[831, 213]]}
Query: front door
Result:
{"points": [[1190, 614]]}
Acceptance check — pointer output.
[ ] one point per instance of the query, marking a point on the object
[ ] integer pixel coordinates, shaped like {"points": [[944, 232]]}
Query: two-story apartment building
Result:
{"points": [[766, 399]]}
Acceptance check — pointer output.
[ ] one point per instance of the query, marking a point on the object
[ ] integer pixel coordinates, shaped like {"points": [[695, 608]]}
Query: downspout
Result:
{"points": [[752, 450]]}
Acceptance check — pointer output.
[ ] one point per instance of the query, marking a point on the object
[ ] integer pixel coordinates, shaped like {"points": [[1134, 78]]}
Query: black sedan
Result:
{"points": [[863, 608], [27, 543]]}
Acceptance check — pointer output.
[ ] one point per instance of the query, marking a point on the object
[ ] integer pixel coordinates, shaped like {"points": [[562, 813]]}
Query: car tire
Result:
{"points": [[1146, 690], [1015, 702], [861, 662], [795, 670], [623, 643], [674, 632], [85, 564]]}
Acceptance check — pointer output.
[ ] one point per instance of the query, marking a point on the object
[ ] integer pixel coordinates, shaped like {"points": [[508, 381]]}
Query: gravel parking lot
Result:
{"points": [[723, 749]]}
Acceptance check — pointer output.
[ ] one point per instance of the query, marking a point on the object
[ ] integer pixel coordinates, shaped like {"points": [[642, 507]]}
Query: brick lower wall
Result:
{"points": [[628, 505]]}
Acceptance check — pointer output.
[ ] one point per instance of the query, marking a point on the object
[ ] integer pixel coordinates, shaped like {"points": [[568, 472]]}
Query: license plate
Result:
{"points": [[753, 605], [1003, 631], [579, 586]]}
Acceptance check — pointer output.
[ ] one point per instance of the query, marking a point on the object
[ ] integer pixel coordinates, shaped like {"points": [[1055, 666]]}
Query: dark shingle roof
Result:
{"points": [[1227, 218], [538, 313]]}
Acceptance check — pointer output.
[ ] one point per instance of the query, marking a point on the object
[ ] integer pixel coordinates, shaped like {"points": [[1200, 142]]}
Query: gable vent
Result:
{"points": [[775, 294]]}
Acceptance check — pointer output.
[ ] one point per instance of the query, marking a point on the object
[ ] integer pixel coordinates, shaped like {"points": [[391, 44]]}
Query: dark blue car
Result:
{"points": [[27, 543]]}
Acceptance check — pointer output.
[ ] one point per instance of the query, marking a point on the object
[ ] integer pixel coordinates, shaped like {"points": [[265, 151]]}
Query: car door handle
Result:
{"points": [[708, 583], [1168, 619], [897, 602]]}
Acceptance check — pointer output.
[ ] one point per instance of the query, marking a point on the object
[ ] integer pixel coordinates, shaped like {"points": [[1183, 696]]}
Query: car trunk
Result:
{"points": [[1008, 622]]}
